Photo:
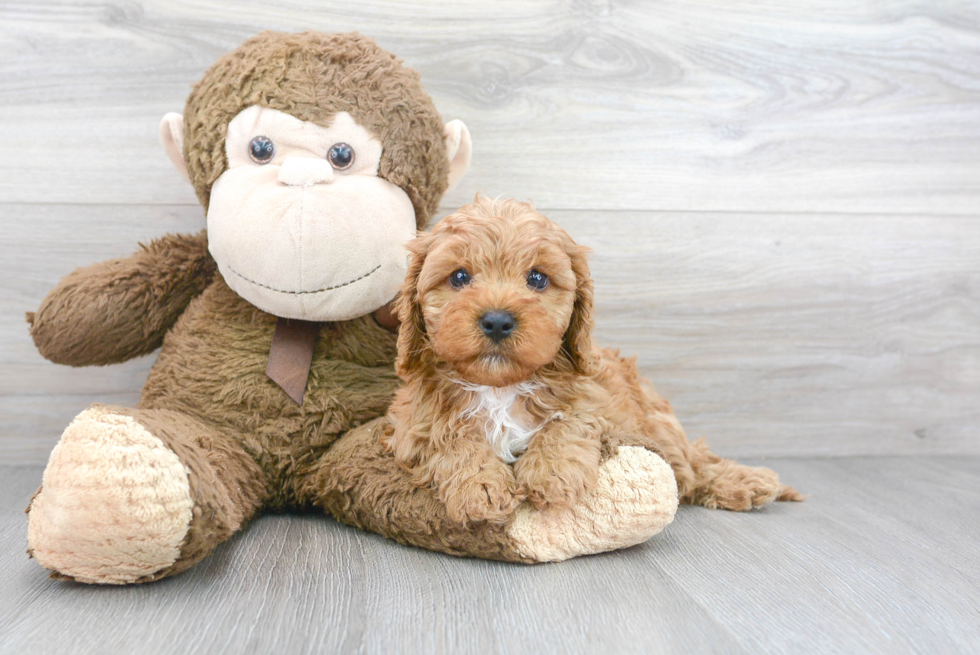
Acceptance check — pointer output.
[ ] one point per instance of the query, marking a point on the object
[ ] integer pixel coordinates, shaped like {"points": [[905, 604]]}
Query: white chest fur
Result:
{"points": [[507, 434]]}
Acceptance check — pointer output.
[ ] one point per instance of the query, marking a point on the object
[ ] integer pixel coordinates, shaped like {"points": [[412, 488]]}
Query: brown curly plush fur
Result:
{"points": [[578, 393]]}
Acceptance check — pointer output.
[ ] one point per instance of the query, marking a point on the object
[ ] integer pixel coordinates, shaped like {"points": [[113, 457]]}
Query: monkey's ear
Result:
{"points": [[459, 147], [172, 138]]}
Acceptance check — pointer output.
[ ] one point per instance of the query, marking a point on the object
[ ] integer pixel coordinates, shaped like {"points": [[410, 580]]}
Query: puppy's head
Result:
{"points": [[497, 291]]}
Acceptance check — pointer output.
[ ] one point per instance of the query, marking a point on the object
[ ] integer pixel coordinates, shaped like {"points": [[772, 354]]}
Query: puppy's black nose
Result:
{"points": [[498, 324]]}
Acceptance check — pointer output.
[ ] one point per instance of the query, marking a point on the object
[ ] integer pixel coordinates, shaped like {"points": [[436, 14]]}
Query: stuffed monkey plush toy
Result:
{"points": [[317, 157]]}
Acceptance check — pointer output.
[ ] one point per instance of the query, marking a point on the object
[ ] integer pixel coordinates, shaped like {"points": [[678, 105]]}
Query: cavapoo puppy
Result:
{"points": [[505, 396]]}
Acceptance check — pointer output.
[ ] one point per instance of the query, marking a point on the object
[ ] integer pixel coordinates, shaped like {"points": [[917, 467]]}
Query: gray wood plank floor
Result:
{"points": [[881, 558]]}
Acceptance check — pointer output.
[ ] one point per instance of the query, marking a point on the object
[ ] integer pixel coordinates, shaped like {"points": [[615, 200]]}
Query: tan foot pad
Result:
{"points": [[636, 498], [115, 503]]}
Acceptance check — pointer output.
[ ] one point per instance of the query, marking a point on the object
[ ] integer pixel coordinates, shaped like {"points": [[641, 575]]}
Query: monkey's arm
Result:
{"points": [[122, 308]]}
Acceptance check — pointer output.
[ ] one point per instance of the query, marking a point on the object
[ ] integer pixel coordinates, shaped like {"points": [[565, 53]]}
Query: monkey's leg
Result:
{"points": [[133, 495], [358, 482]]}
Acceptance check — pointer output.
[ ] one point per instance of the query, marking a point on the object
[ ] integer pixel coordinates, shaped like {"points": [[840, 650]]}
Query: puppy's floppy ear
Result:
{"points": [[413, 342], [578, 337]]}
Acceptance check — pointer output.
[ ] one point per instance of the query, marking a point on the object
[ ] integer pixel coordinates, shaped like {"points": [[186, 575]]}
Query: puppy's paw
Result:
{"points": [[556, 482], [490, 494]]}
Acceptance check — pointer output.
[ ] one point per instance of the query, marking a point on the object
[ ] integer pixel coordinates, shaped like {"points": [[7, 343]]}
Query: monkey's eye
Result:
{"points": [[261, 149], [459, 278], [537, 280], [340, 156]]}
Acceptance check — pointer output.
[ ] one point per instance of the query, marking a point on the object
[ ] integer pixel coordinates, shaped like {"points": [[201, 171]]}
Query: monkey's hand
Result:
{"points": [[122, 308]]}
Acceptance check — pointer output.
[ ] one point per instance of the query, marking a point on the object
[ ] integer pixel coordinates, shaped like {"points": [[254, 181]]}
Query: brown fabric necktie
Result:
{"points": [[291, 355], [291, 352]]}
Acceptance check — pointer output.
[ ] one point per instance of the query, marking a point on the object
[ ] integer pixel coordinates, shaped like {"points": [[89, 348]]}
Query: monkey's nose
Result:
{"points": [[498, 324], [305, 171]]}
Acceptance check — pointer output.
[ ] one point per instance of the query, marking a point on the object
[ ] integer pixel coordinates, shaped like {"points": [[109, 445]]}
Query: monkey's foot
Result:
{"points": [[115, 504], [635, 498]]}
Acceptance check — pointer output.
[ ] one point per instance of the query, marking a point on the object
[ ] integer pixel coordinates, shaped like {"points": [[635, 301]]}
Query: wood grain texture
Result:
{"points": [[771, 334], [591, 104], [783, 199], [880, 559]]}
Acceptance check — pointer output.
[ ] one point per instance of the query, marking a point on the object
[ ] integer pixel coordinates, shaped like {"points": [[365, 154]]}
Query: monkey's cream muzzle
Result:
{"points": [[321, 252], [299, 237]]}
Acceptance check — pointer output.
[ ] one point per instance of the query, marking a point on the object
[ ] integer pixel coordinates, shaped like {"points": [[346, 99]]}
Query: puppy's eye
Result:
{"points": [[261, 149], [459, 278], [340, 156], [537, 280]]}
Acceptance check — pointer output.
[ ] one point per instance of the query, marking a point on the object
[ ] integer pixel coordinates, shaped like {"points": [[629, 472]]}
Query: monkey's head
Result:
{"points": [[316, 157]]}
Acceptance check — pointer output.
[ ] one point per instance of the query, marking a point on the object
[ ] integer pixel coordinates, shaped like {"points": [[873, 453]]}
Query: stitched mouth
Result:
{"points": [[303, 293]]}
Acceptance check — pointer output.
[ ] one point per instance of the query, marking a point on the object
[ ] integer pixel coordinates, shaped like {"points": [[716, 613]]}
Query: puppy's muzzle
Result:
{"points": [[498, 324]]}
